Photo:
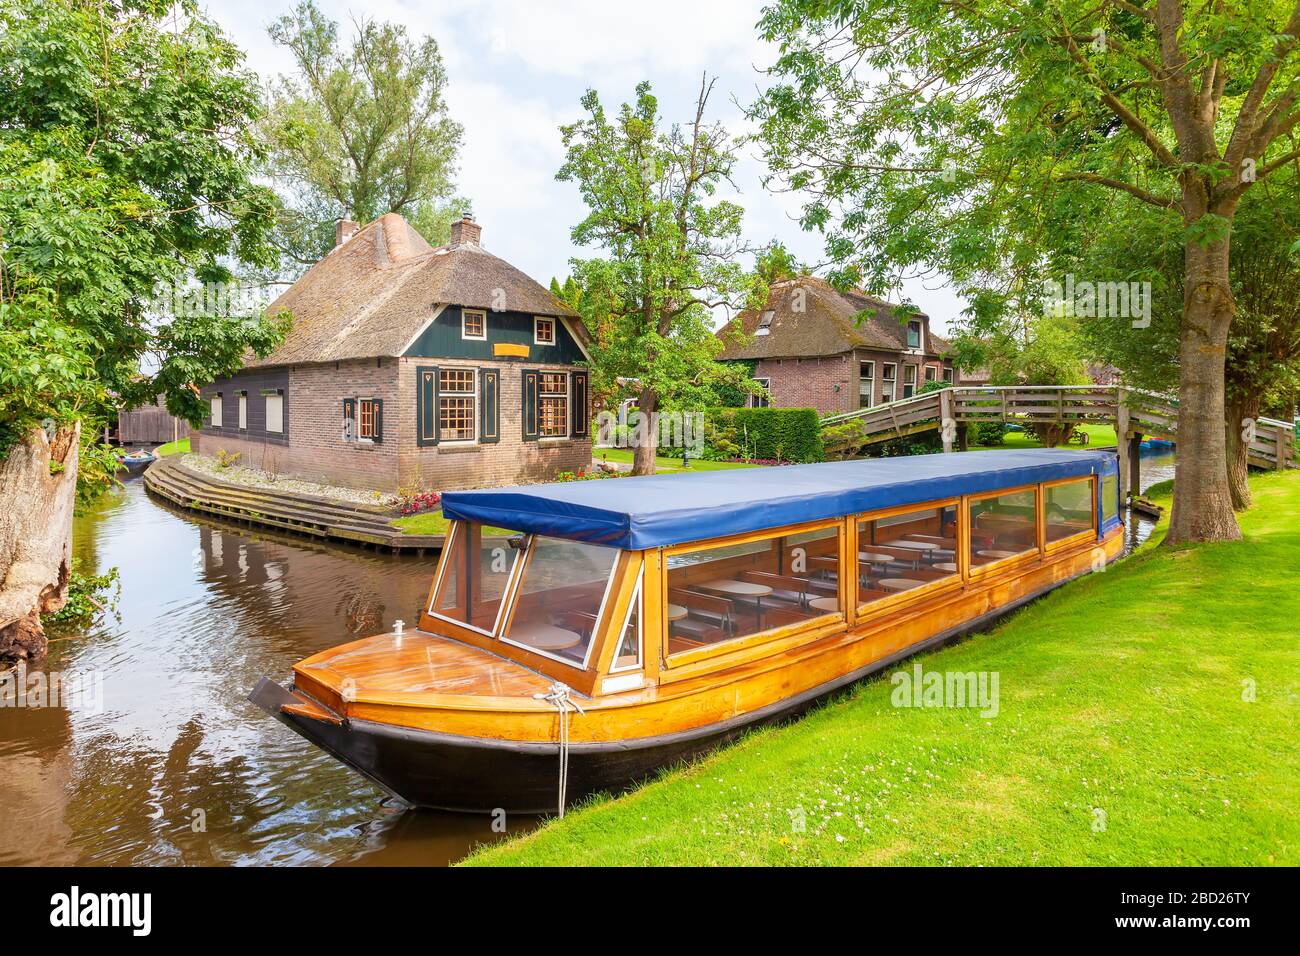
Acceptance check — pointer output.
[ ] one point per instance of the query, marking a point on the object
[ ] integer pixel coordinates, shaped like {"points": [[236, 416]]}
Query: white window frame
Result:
{"points": [[369, 440], [920, 335], [870, 380], [891, 382], [482, 314], [948, 374], [568, 404], [752, 398], [243, 411], [215, 410], [537, 322], [476, 414], [931, 373], [267, 395]]}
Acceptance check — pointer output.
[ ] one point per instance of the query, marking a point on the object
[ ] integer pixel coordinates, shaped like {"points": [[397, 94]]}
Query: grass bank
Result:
{"points": [[668, 466], [1146, 715], [181, 447]]}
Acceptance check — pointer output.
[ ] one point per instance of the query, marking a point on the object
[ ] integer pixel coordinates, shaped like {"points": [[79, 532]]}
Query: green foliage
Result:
{"points": [[359, 132], [109, 188], [672, 250], [90, 596], [765, 434]]}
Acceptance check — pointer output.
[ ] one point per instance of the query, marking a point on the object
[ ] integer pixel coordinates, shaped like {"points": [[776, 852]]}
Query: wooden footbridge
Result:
{"points": [[1135, 415]]}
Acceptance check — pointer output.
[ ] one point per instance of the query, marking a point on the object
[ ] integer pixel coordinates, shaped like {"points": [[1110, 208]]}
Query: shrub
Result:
{"points": [[779, 434], [226, 459]]}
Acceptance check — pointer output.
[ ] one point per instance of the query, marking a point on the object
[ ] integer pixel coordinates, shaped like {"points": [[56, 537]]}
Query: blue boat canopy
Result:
{"points": [[658, 510]]}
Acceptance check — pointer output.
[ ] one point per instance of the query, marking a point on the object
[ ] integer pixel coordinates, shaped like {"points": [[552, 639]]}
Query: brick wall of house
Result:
{"points": [[828, 384], [509, 461], [832, 384], [316, 449]]}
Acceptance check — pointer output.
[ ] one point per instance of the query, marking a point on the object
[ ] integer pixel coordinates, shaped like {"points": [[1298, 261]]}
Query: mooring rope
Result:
{"points": [[558, 695]]}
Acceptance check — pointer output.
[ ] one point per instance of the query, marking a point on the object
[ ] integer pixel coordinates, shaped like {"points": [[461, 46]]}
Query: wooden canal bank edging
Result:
{"points": [[312, 515]]}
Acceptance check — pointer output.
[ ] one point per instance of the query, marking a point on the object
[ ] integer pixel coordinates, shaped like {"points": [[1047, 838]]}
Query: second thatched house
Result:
{"points": [[814, 346], [410, 366]]}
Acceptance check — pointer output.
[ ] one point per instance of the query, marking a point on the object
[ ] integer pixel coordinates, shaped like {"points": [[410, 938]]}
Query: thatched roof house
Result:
{"points": [[409, 365]]}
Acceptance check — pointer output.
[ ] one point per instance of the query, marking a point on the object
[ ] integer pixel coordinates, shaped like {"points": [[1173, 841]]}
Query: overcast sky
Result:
{"points": [[517, 70]]}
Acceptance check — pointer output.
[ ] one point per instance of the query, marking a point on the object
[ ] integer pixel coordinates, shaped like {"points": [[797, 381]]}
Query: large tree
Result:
{"points": [[673, 251], [125, 164], [359, 131], [921, 128]]}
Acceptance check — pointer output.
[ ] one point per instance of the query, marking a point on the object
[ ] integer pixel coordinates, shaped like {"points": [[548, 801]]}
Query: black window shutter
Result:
{"points": [[490, 405], [426, 406], [529, 411], [580, 402], [349, 419], [379, 420]]}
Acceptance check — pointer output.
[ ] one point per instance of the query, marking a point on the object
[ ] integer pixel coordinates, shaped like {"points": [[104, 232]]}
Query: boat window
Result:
{"points": [[559, 599], [1068, 509], [475, 574], [1003, 526], [1110, 498], [738, 590], [907, 551], [628, 655]]}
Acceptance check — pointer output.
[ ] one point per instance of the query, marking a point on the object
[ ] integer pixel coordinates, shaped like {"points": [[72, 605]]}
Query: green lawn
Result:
{"points": [[181, 447], [432, 522], [668, 466], [1124, 736], [1098, 436]]}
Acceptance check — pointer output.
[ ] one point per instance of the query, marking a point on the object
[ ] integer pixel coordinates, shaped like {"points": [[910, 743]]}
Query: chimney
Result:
{"points": [[344, 230], [466, 232]]}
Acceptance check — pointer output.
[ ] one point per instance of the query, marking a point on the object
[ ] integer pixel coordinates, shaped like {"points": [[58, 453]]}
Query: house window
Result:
{"points": [[947, 375], [366, 423], [866, 384], [761, 401], [243, 411], [543, 331], [473, 324], [889, 379], [456, 403], [909, 381], [214, 403], [274, 411], [913, 335], [553, 404], [931, 373]]}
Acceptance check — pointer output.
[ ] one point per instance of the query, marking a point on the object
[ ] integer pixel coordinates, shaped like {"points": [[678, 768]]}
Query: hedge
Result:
{"points": [[776, 434]]}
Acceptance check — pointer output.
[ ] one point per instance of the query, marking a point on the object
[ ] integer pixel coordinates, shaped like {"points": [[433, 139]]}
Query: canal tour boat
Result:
{"points": [[578, 636]]}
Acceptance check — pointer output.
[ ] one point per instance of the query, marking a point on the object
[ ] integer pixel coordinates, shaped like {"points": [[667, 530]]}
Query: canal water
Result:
{"points": [[177, 767], [174, 766]]}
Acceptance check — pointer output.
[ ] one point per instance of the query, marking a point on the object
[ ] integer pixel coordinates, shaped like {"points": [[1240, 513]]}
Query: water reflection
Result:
{"points": [[1157, 466], [178, 767]]}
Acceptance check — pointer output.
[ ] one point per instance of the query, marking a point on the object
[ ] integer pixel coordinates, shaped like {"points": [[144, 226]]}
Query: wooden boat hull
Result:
{"points": [[478, 775]]}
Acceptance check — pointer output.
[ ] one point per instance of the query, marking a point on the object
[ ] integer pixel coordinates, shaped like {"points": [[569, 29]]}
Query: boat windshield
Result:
{"points": [[475, 575], [560, 597]]}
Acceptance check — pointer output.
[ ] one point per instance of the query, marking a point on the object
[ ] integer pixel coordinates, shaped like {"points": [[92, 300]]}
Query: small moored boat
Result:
{"points": [[635, 622], [138, 461]]}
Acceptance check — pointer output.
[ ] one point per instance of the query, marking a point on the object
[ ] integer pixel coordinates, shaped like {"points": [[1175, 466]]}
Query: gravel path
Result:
{"points": [[256, 478]]}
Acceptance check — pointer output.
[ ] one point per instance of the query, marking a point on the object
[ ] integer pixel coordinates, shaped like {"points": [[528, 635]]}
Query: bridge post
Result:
{"points": [[1283, 445], [1135, 464], [1121, 441], [946, 416]]}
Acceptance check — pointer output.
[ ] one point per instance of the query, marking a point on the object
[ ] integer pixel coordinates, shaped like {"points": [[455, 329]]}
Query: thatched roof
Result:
{"points": [[831, 322], [374, 293]]}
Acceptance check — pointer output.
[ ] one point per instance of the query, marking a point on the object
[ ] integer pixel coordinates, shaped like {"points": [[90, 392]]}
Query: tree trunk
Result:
{"points": [[646, 449], [1202, 509], [35, 537], [1240, 410]]}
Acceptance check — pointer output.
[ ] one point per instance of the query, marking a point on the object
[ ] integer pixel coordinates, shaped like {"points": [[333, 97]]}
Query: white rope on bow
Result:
{"points": [[558, 695]]}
